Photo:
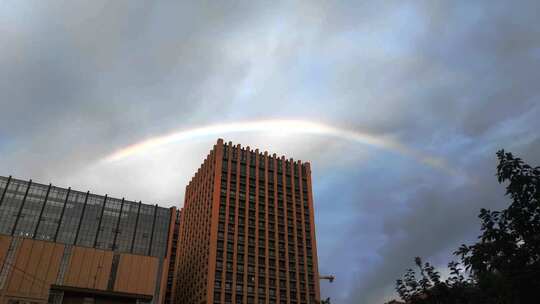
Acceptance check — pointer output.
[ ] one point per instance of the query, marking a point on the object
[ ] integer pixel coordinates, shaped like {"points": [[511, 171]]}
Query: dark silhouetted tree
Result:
{"points": [[327, 301], [504, 265]]}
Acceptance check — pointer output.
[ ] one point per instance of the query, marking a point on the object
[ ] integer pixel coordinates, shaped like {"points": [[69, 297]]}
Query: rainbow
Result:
{"points": [[283, 127]]}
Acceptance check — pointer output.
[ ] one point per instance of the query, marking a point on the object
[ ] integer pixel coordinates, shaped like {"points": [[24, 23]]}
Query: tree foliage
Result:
{"points": [[326, 301], [503, 266]]}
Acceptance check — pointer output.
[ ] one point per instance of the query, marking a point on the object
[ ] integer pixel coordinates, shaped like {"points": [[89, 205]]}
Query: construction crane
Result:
{"points": [[330, 278]]}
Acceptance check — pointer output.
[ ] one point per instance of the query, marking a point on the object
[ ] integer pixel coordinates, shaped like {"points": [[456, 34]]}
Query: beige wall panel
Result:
{"points": [[136, 274], [17, 277], [54, 264], [5, 241], [88, 277], [72, 273], [148, 279], [40, 274], [105, 270], [120, 272], [144, 274], [36, 250], [133, 274], [123, 273], [151, 275], [141, 269], [34, 263], [89, 272], [89, 268], [163, 286]]}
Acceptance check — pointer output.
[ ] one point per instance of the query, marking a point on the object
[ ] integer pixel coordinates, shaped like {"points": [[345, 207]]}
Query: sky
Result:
{"points": [[399, 106]]}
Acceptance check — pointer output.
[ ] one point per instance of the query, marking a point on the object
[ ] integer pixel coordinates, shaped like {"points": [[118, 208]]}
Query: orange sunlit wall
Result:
{"points": [[247, 231]]}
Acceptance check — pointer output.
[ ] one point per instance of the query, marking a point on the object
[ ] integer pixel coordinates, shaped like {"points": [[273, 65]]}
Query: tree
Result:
{"points": [[429, 288], [504, 265], [327, 301]]}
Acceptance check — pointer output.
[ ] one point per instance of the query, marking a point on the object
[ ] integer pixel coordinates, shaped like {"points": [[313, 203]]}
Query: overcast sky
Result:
{"points": [[450, 80]]}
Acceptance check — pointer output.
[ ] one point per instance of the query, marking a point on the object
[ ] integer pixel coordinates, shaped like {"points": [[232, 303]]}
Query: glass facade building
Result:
{"points": [[47, 212]]}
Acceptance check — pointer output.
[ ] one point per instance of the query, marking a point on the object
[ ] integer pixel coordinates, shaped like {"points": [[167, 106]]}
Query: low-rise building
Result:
{"points": [[59, 244]]}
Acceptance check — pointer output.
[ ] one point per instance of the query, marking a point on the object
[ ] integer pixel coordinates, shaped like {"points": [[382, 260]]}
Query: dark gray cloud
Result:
{"points": [[452, 79], [97, 76]]}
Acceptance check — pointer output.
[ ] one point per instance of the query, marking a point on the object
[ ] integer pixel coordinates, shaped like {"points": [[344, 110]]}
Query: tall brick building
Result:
{"points": [[247, 231]]}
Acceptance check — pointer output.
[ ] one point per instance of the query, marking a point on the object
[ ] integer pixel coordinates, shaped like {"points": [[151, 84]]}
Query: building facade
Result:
{"points": [[247, 232], [57, 241]]}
